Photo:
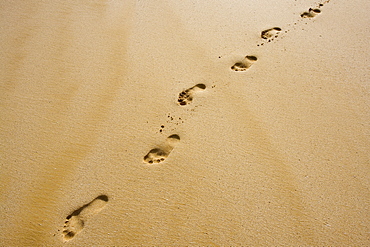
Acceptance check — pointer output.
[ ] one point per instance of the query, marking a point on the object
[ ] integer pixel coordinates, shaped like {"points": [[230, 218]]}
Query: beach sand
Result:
{"points": [[185, 123]]}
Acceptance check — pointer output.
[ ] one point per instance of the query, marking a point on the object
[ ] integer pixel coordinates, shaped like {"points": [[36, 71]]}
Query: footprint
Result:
{"points": [[158, 155], [245, 64], [186, 96], [270, 33], [311, 13], [75, 222]]}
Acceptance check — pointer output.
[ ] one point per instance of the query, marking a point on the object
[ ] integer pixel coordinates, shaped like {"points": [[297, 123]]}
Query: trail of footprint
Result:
{"points": [[271, 34], [158, 155], [75, 222], [245, 64], [186, 96], [311, 13]]}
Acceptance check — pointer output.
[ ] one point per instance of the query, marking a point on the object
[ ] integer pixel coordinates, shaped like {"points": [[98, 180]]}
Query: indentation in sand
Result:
{"points": [[75, 222], [186, 96], [245, 64], [158, 155], [310, 13], [270, 33]]}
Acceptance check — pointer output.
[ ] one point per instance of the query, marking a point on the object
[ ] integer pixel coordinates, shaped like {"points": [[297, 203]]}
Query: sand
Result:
{"points": [[184, 123]]}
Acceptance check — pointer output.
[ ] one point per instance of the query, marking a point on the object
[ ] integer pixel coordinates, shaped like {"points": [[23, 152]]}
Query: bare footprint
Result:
{"points": [[75, 222], [311, 13], [186, 96], [245, 64], [158, 155], [270, 33]]}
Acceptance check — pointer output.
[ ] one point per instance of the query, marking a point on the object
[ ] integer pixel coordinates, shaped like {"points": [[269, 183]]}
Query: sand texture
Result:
{"points": [[185, 123]]}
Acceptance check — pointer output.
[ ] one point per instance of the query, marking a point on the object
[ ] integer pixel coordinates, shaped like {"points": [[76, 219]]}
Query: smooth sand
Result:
{"points": [[275, 155]]}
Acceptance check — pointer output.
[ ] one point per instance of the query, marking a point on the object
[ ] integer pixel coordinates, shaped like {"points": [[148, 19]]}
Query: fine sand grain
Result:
{"points": [[185, 123]]}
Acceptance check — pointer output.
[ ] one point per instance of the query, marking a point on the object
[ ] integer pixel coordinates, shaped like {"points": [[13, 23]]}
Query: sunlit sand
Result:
{"points": [[184, 123]]}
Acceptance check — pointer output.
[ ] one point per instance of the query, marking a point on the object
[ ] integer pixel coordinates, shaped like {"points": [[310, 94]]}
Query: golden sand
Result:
{"points": [[184, 123]]}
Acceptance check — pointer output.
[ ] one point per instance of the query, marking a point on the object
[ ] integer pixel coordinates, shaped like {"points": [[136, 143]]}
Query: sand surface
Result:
{"points": [[96, 149]]}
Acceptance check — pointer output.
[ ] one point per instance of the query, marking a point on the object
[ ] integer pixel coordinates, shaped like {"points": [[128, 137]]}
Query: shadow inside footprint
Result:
{"points": [[75, 222], [245, 64], [158, 155], [186, 96], [270, 33], [311, 13]]}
